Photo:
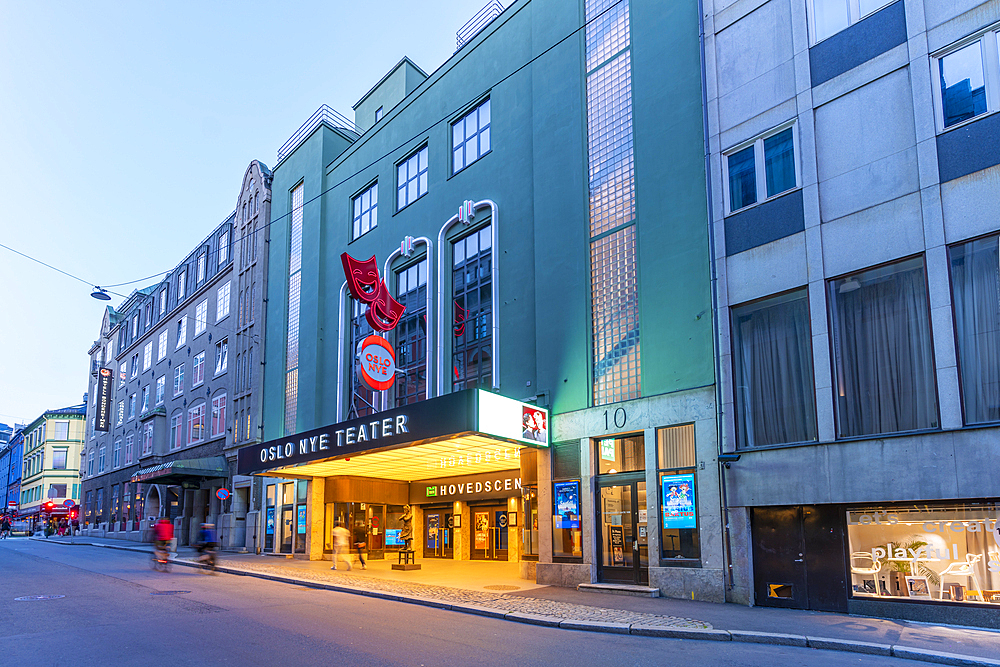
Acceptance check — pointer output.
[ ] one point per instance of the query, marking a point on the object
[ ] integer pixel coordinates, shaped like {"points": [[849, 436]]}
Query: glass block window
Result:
{"points": [[607, 30], [472, 324], [365, 211], [294, 286], [411, 179], [411, 335], [471, 137], [609, 129], [615, 317]]}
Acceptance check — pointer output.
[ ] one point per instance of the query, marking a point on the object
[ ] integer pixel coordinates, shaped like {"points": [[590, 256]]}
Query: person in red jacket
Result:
{"points": [[163, 533]]}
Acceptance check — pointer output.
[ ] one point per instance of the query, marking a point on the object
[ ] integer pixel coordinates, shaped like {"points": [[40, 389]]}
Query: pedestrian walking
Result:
{"points": [[5, 527], [341, 545], [360, 541]]}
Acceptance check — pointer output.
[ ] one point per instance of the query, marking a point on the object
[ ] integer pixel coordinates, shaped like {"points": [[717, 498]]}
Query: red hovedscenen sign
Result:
{"points": [[365, 285]]}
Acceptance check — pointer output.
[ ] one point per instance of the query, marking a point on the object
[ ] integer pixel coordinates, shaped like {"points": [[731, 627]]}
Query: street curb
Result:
{"points": [[637, 629]]}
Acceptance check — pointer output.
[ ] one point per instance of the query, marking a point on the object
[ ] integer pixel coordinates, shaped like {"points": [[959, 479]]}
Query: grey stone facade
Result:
{"points": [[879, 179]]}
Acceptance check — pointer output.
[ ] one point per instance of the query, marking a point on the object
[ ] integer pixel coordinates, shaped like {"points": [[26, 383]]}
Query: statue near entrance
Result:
{"points": [[406, 532]]}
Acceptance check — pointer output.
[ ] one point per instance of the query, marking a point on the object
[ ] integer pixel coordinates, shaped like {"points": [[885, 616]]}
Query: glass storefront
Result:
{"points": [[949, 553], [374, 524], [676, 474]]}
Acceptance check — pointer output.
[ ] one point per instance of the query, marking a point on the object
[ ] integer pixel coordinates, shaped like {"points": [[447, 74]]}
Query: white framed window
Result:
{"points": [[135, 364], [144, 404], [131, 406], [761, 169], [182, 331], [196, 424], [130, 447], [147, 356], [163, 301], [470, 137], [101, 459], [222, 302], [202, 262], [90, 463], [181, 284], [161, 383], [176, 431], [828, 17], [411, 179], [161, 348], [218, 415], [365, 206], [378, 114], [178, 379], [122, 373], [201, 318], [60, 430], [221, 355], [135, 326], [223, 247], [147, 439], [967, 79], [198, 369], [121, 413]]}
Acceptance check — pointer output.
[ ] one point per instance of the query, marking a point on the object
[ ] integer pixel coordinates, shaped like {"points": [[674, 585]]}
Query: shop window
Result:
{"points": [[269, 518], [676, 464], [567, 533], [615, 455], [931, 554]]}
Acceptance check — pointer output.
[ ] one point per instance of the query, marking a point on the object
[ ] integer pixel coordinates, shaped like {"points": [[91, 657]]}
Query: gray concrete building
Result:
{"points": [[181, 354], [854, 186]]}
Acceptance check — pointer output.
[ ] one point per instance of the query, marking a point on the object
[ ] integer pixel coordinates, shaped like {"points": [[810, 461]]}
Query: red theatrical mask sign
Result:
{"points": [[364, 284]]}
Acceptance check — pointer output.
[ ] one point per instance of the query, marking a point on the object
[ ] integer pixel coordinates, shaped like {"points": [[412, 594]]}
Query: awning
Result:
{"points": [[184, 470]]}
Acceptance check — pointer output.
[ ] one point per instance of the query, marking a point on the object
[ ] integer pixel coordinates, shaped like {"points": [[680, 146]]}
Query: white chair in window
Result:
{"points": [[864, 564], [960, 570]]}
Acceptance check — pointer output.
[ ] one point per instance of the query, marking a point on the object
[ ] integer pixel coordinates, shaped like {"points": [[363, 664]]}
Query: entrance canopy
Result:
{"points": [[466, 432], [182, 471]]}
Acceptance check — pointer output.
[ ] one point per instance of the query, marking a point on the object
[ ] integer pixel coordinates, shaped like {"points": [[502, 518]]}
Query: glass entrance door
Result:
{"points": [[489, 533], [623, 552], [438, 534], [287, 528]]}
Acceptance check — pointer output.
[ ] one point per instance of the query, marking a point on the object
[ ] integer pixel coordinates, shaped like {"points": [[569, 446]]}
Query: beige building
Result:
{"points": [[51, 464]]}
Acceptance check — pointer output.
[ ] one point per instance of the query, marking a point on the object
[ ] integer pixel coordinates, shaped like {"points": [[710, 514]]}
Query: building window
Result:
{"points": [[129, 448], [131, 406], [934, 553], [198, 369], [160, 384], [147, 439], [615, 313], [975, 286], [831, 16], [90, 463], [178, 379], [58, 490], [472, 327], [122, 374], [294, 285], [135, 327], [117, 454], [144, 404], [163, 301], [121, 413], [181, 332], [365, 211], [176, 431], [411, 179], [196, 424], [218, 416], [181, 283], [968, 77], [135, 364], [378, 114], [201, 268], [59, 459], [221, 355], [773, 381], [411, 335], [760, 169], [883, 355], [201, 318], [223, 247], [470, 137], [362, 400], [161, 348], [101, 459], [676, 474], [60, 430], [222, 302]]}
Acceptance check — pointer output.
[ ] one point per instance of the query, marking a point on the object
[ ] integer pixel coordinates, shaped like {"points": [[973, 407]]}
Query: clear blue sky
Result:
{"points": [[125, 130]]}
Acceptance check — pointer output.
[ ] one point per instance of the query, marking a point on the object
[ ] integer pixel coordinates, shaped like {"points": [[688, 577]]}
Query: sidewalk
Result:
{"points": [[493, 589]]}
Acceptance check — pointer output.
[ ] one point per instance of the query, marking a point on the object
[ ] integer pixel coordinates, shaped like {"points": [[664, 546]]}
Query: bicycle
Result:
{"points": [[160, 559], [207, 558]]}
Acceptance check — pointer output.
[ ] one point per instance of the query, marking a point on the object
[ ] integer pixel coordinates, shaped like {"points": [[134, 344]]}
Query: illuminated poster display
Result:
{"points": [[482, 529], [567, 505], [269, 523], [302, 519], [617, 536], [507, 418], [678, 502]]}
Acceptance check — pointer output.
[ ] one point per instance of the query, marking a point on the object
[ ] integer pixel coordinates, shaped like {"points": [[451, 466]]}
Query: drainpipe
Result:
{"points": [[494, 276], [719, 417]]}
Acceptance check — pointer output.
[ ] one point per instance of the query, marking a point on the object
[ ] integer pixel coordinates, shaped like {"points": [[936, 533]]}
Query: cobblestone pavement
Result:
{"points": [[526, 605]]}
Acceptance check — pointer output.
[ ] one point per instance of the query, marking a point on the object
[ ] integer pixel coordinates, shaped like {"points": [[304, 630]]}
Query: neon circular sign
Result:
{"points": [[376, 363]]}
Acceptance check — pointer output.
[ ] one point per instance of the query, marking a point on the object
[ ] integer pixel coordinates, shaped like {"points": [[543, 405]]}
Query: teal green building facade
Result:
{"points": [[555, 163]]}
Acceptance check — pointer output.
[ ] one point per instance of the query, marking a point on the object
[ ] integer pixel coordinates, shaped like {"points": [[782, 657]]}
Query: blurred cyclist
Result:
{"points": [[163, 533]]}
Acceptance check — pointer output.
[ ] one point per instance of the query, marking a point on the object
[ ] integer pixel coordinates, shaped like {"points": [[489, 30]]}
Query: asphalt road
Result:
{"points": [[112, 615]]}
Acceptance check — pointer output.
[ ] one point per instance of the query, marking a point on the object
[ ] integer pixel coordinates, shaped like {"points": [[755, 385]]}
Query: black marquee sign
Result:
{"points": [[102, 421]]}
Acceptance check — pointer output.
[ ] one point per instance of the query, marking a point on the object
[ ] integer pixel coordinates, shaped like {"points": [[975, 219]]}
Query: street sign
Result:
{"points": [[222, 494], [69, 502], [11, 503]]}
